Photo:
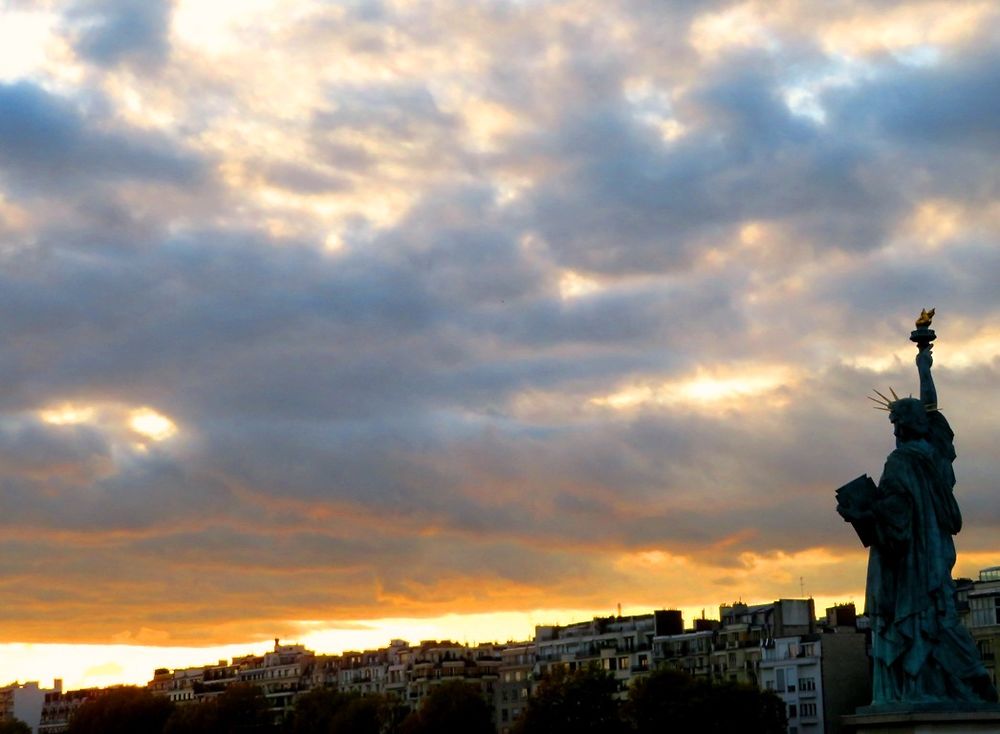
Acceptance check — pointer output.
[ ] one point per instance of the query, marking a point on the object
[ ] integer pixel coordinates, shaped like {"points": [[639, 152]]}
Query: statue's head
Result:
{"points": [[909, 417]]}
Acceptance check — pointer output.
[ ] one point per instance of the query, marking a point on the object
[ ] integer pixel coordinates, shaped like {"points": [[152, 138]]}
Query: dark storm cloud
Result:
{"points": [[630, 202], [110, 32], [161, 311], [48, 143], [29, 448], [958, 277], [649, 315], [623, 200], [951, 104]]}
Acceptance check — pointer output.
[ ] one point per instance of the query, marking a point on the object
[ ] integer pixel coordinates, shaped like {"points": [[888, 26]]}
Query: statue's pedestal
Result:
{"points": [[972, 721]]}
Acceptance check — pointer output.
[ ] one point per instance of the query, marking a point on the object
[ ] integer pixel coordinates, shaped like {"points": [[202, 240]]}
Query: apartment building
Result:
{"points": [[689, 652], [623, 646], [411, 673], [820, 670], [516, 683], [59, 707], [820, 676], [24, 702], [983, 617], [322, 672], [281, 675], [181, 685], [364, 672]]}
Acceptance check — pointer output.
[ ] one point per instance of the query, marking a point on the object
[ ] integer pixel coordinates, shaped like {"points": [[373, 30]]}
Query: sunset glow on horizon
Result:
{"points": [[338, 322]]}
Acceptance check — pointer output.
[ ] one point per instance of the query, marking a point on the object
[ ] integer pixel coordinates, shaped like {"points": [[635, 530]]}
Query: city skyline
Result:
{"points": [[141, 662], [320, 317]]}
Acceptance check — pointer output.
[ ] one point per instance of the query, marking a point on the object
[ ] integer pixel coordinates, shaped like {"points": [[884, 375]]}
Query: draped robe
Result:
{"points": [[921, 651]]}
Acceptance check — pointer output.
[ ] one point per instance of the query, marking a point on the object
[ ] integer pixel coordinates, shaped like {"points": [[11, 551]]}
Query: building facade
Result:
{"points": [[59, 707], [24, 702], [515, 684], [622, 646], [820, 676], [983, 618]]}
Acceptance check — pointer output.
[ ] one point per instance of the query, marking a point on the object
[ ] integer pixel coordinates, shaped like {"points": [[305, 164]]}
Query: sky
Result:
{"points": [[343, 321]]}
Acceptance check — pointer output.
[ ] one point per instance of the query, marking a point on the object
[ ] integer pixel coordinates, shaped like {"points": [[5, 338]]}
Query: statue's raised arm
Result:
{"points": [[923, 336]]}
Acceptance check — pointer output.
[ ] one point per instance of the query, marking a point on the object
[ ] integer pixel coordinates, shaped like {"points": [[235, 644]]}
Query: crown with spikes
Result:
{"points": [[884, 403]]}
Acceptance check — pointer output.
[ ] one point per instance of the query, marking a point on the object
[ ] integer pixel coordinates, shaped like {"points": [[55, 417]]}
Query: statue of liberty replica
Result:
{"points": [[924, 659]]}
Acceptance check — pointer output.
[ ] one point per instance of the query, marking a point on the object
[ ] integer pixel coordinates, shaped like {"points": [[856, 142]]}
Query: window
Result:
{"points": [[791, 675]]}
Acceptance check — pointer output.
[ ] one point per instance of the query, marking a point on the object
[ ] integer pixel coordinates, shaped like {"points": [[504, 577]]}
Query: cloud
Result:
{"points": [[112, 32], [301, 178], [31, 449], [49, 144], [485, 308], [943, 105]]}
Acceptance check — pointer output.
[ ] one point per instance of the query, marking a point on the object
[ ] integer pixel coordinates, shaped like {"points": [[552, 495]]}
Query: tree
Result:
{"points": [[454, 707], [315, 710], [580, 702], [14, 726], [664, 701], [669, 701], [122, 711], [750, 709], [195, 718], [371, 714], [240, 709]]}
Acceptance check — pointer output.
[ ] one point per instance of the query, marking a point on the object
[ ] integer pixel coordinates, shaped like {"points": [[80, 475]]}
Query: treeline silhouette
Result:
{"points": [[14, 726], [664, 702], [580, 702]]}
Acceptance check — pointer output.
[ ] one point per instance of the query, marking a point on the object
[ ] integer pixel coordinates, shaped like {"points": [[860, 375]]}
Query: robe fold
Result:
{"points": [[921, 651]]}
